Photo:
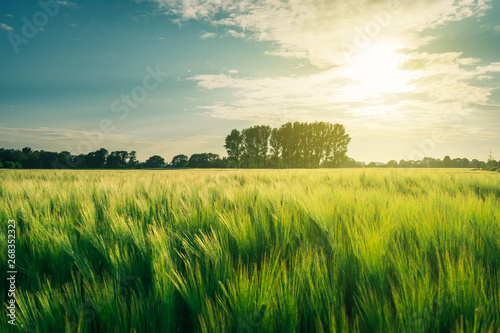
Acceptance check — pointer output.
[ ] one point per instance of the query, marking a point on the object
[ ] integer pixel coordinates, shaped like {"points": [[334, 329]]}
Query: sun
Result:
{"points": [[376, 71]]}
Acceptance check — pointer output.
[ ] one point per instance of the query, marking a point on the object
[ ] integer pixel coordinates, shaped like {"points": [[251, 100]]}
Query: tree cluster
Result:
{"points": [[293, 145]]}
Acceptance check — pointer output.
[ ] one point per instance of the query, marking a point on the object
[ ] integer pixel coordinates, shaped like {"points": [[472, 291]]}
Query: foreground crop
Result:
{"points": [[254, 251]]}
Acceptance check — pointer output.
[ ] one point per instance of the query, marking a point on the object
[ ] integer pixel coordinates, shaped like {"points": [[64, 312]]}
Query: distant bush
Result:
{"points": [[10, 165], [1, 165]]}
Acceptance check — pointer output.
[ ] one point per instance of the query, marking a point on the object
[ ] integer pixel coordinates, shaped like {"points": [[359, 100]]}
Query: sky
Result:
{"points": [[407, 79]]}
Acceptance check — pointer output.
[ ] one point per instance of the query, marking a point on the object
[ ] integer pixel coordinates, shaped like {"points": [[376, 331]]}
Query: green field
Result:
{"points": [[378, 250]]}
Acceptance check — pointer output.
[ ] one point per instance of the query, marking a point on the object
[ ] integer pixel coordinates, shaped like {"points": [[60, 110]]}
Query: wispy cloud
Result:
{"points": [[66, 3], [6, 27], [234, 33], [208, 35]]}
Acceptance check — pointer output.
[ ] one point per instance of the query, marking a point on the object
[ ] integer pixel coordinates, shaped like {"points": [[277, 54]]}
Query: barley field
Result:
{"points": [[343, 250]]}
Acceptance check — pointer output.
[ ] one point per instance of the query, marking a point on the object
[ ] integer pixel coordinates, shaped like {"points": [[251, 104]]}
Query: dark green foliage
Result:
{"points": [[155, 161], [179, 161]]}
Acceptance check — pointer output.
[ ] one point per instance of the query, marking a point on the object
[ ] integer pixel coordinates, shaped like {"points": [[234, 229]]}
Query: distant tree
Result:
{"points": [[263, 135], [155, 161], [205, 160], [372, 165], [491, 160], [338, 140], [27, 151], [251, 150], [180, 161], [318, 144], [392, 164], [117, 160], [475, 163], [465, 163], [352, 163], [97, 159], [456, 163], [406, 164], [447, 162], [220, 163], [132, 160], [10, 165], [287, 147], [275, 143], [428, 162], [234, 147], [1, 165], [256, 145]]}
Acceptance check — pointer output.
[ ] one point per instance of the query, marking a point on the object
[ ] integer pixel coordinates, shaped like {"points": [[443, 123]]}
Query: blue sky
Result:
{"points": [[408, 79]]}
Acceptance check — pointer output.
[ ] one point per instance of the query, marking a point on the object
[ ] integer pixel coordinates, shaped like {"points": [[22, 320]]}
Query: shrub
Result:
{"points": [[10, 165]]}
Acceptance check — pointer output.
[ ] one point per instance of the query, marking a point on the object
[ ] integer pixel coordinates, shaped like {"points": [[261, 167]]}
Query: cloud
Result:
{"points": [[232, 71], [325, 31], [5, 27], [66, 3], [208, 35], [234, 33], [497, 28]]}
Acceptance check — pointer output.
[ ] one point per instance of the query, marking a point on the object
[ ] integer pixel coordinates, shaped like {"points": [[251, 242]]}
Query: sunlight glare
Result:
{"points": [[376, 71]]}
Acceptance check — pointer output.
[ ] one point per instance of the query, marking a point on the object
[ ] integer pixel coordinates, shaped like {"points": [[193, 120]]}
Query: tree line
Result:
{"points": [[292, 145], [428, 162], [28, 158]]}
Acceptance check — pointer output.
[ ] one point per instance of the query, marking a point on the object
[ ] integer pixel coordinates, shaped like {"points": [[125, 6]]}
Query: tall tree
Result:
{"points": [[132, 161], [275, 147], [251, 151], [262, 140], [338, 140], [286, 140], [234, 147], [447, 162]]}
